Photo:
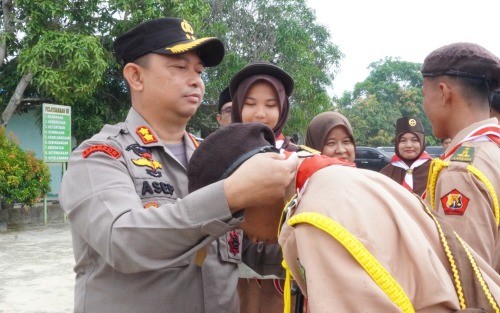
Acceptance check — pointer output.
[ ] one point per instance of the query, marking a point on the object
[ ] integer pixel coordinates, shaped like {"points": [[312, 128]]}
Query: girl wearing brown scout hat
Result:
{"points": [[260, 93], [410, 165]]}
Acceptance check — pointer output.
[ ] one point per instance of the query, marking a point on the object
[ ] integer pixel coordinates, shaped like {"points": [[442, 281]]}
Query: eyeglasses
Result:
{"points": [[226, 111]]}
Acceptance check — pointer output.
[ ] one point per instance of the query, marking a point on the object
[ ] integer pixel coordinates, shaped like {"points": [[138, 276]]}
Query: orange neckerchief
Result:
{"points": [[313, 164]]}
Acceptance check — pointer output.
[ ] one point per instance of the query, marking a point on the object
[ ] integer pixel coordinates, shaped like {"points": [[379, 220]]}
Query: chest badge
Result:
{"points": [[145, 159], [454, 203]]}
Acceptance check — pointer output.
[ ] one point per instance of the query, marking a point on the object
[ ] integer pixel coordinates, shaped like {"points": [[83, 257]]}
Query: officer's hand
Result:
{"points": [[259, 181]]}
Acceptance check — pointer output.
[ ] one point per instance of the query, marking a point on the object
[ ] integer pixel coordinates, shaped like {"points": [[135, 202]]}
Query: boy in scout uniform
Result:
{"points": [[464, 186], [141, 243], [355, 240]]}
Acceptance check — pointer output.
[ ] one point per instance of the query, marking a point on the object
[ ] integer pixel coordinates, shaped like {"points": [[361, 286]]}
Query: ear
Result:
{"points": [[218, 117], [133, 74], [446, 92]]}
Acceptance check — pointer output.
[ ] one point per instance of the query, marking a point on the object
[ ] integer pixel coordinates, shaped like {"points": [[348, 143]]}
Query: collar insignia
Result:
{"points": [[146, 135]]}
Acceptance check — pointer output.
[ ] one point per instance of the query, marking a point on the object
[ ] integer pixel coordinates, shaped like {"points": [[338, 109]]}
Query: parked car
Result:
{"points": [[371, 158], [387, 150], [434, 151]]}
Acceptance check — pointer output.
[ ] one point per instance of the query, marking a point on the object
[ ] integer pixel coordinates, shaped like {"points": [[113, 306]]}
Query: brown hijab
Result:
{"points": [[241, 93], [321, 125]]}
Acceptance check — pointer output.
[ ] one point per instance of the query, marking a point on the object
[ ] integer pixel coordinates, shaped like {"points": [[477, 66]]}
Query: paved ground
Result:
{"points": [[36, 270]]}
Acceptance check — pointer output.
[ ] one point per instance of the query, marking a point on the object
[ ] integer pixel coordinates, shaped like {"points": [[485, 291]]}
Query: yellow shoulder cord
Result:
{"points": [[376, 271], [437, 165], [449, 255], [456, 275], [496, 208], [287, 292], [479, 275]]}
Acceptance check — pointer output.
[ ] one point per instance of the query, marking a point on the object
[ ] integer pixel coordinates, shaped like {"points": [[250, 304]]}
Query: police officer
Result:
{"points": [[141, 243], [464, 186]]}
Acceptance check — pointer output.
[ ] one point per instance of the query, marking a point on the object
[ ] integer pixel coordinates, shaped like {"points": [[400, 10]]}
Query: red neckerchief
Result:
{"points": [[280, 137], [492, 131], [408, 178], [313, 164], [423, 156]]}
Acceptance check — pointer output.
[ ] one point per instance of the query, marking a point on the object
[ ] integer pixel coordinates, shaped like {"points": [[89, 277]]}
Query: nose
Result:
{"points": [[340, 149], [260, 113]]}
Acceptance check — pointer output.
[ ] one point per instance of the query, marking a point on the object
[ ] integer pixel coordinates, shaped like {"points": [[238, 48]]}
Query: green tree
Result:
{"points": [[60, 52], [391, 90]]}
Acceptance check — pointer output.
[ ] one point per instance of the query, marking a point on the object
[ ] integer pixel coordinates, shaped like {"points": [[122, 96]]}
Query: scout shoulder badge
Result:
{"points": [[463, 154]]}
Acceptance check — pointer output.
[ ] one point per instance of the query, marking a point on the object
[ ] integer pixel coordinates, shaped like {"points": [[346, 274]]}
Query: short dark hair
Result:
{"points": [[495, 100]]}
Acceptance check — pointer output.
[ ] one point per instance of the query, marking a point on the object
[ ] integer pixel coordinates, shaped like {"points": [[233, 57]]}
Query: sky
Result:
{"points": [[367, 31]]}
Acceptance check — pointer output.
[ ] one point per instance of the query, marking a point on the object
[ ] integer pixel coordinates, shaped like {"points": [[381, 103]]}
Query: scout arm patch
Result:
{"points": [[463, 154]]}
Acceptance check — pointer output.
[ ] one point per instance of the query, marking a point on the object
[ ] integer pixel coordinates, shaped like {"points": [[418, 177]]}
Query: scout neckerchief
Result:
{"points": [[279, 141], [408, 179], [489, 132]]}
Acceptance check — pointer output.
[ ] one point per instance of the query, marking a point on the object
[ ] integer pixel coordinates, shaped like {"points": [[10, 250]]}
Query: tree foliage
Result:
{"points": [[23, 178], [66, 48], [391, 90]]}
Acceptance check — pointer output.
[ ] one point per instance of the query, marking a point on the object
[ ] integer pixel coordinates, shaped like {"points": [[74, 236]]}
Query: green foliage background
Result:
{"points": [[66, 44]]}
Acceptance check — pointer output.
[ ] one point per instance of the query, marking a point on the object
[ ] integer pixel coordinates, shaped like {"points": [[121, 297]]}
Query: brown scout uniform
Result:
{"points": [[459, 192], [391, 224]]}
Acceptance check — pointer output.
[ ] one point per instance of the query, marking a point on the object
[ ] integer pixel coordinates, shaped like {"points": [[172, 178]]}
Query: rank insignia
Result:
{"points": [[146, 159], [454, 203], [146, 135], [102, 148], [234, 242], [463, 154]]}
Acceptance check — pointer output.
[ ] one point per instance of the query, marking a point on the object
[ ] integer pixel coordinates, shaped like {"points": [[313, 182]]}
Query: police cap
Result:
{"points": [[166, 36]]}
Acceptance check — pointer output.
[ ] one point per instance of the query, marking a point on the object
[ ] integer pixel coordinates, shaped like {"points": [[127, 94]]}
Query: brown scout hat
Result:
{"points": [[464, 60], [224, 150], [166, 36], [261, 68]]}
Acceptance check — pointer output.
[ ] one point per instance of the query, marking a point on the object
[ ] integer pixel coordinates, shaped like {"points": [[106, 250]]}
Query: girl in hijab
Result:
{"points": [[410, 165], [260, 93], [331, 134]]}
